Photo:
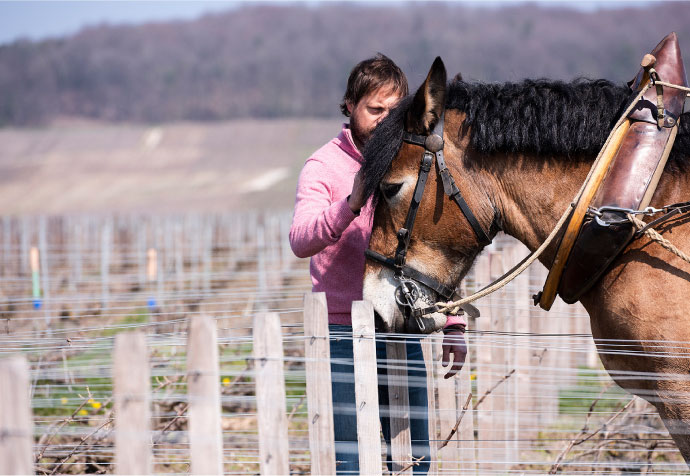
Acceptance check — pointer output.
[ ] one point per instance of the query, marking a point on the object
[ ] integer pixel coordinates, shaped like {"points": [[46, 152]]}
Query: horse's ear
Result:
{"points": [[429, 101]]}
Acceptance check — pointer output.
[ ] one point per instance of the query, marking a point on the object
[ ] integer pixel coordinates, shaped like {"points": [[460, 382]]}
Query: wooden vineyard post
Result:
{"points": [[486, 374], [206, 258], [16, 424], [24, 245], [524, 399], [6, 245], [270, 394], [106, 244], [141, 252], [317, 357], [539, 355], [76, 255], [501, 321], [152, 272], [260, 262], [431, 377], [399, 405], [203, 381], [179, 254], [35, 277], [366, 388], [465, 436], [448, 414], [45, 271], [132, 394]]}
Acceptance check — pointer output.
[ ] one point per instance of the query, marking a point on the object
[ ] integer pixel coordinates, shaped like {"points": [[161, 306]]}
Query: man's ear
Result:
{"points": [[349, 106], [429, 101]]}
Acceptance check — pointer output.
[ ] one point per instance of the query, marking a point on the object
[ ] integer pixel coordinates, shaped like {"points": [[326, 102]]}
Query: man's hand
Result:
{"points": [[454, 343], [357, 200]]}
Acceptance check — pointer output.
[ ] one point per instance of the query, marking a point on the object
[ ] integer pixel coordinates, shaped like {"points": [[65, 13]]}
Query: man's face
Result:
{"points": [[369, 111]]}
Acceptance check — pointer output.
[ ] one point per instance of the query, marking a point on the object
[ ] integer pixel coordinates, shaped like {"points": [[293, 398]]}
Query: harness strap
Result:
{"points": [[474, 223], [670, 212], [412, 273], [406, 231], [415, 139]]}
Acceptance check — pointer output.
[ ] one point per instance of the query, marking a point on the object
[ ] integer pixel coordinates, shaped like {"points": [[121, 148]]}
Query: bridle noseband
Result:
{"points": [[408, 292]]}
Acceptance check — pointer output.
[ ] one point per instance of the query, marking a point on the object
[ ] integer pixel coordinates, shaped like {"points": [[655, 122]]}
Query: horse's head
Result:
{"points": [[422, 242]]}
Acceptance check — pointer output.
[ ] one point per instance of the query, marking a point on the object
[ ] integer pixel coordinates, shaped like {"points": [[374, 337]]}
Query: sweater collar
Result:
{"points": [[346, 143]]}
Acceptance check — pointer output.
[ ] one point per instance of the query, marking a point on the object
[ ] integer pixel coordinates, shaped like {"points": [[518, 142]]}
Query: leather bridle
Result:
{"points": [[408, 292]]}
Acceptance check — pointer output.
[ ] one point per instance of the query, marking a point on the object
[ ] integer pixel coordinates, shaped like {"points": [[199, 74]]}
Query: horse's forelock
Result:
{"points": [[383, 146]]}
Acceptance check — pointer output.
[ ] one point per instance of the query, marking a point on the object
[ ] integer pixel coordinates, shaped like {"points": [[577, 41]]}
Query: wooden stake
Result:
{"points": [[399, 404], [317, 356], [270, 395], [132, 395], [16, 424], [203, 380], [366, 388]]}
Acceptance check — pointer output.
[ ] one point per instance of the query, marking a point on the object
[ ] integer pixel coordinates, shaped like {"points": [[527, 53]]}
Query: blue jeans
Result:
{"points": [[344, 407]]}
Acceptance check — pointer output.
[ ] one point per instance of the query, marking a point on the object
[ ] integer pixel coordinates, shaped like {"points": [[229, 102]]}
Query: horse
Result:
{"points": [[519, 153]]}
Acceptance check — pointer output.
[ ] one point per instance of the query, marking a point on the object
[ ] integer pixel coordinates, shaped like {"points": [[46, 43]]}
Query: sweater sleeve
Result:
{"points": [[317, 221]]}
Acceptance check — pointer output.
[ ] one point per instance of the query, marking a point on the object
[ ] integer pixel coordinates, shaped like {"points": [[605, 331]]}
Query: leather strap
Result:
{"points": [[451, 189], [412, 273], [406, 231]]}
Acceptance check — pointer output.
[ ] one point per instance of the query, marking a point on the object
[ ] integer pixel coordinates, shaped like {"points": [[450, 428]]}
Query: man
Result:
{"points": [[332, 224]]}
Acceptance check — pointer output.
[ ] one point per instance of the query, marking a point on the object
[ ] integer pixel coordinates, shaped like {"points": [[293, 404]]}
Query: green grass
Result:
{"points": [[66, 397], [578, 398], [139, 316]]}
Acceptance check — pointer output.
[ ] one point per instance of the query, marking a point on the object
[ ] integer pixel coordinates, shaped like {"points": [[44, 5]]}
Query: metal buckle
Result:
{"points": [[407, 293], [599, 212]]}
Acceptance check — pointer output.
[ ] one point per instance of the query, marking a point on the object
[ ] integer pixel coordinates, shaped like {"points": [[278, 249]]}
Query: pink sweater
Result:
{"points": [[325, 229]]}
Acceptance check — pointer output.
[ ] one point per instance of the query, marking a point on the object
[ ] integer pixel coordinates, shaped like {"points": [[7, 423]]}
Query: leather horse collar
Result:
{"points": [[408, 292]]}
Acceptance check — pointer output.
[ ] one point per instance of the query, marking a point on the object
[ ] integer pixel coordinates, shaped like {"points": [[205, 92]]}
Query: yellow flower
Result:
{"points": [[83, 412], [63, 400], [226, 381], [90, 400], [473, 376], [96, 405]]}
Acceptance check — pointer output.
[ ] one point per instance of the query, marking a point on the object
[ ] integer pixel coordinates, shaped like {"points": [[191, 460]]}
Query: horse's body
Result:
{"points": [[639, 310]]}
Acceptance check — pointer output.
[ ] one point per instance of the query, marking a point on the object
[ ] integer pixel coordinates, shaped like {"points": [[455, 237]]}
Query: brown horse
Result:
{"points": [[519, 153]]}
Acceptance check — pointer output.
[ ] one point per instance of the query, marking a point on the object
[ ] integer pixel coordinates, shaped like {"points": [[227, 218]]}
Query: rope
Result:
{"points": [[674, 86], [653, 235], [453, 307]]}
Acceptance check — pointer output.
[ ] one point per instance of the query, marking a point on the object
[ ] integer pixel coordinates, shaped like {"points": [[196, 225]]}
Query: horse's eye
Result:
{"points": [[390, 190]]}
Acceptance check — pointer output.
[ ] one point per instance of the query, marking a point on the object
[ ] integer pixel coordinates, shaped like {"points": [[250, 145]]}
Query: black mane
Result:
{"points": [[546, 119], [541, 117]]}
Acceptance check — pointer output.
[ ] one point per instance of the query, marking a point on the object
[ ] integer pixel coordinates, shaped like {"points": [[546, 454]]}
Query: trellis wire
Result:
{"points": [[215, 265]]}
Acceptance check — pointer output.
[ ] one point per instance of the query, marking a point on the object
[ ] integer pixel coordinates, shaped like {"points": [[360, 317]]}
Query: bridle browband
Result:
{"points": [[407, 293]]}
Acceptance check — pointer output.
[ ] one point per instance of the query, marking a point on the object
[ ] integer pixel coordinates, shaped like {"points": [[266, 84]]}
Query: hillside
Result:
{"points": [[85, 167], [271, 61]]}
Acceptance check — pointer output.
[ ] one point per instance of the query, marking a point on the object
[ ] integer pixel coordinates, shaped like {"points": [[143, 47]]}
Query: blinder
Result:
{"points": [[408, 292]]}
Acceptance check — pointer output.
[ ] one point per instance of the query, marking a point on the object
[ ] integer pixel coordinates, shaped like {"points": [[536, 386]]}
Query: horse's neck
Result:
{"points": [[533, 195]]}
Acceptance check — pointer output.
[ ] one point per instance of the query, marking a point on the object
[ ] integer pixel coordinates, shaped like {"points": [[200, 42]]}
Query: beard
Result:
{"points": [[359, 134]]}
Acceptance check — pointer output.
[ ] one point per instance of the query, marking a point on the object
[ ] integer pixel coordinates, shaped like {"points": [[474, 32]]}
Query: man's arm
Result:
{"points": [[317, 221]]}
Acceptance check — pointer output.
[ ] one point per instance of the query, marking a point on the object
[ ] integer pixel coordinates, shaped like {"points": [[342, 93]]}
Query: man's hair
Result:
{"points": [[371, 74]]}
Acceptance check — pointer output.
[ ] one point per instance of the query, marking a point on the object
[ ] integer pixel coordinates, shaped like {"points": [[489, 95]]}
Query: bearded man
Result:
{"points": [[332, 224]]}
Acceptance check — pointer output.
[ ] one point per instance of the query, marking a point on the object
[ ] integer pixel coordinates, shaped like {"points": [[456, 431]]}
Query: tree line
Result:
{"points": [[293, 60]]}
